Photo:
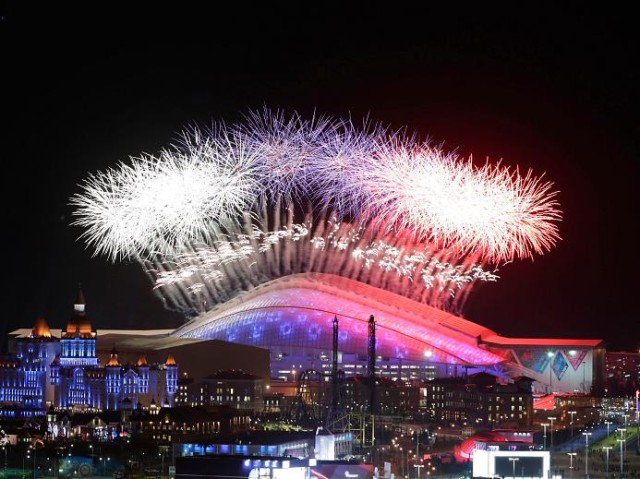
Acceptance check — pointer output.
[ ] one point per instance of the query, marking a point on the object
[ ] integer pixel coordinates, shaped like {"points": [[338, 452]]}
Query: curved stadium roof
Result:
{"points": [[298, 311]]}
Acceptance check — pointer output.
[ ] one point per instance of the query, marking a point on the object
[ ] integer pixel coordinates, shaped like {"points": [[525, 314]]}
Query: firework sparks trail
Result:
{"points": [[215, 213], [342, 250]]}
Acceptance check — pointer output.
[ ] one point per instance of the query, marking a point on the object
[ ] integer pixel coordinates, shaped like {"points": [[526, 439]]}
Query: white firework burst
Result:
{"points": [[162, 203]]}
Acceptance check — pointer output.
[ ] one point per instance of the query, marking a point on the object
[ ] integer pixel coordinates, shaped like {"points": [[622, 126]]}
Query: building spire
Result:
{"points": [[142, 360], [79, 305], [79, 324], [113, 360]]}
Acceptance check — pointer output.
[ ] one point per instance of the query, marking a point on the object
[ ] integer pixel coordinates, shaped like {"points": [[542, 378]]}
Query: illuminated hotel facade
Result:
{"points": [[65, 373]]}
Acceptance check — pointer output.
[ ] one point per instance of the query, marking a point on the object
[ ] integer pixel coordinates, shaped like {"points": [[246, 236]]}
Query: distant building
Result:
{"points": [[570, 410], [392, 398], [300, 444], [184, 383], [189, 423], [480, 401], [622, 372], [234, 388]]}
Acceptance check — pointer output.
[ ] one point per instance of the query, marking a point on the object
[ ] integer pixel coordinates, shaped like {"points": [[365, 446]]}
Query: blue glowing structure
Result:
{"points": [[75, 372], [24, 377], [140, 382], [66, 373]]}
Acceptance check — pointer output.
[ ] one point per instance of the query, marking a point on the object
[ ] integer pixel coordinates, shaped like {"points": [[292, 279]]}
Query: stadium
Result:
{"points": [[293, 316], [268, 231]]}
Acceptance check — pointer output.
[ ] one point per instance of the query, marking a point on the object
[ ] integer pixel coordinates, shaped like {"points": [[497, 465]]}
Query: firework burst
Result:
{"points": [[227, 208], [161, 203]]}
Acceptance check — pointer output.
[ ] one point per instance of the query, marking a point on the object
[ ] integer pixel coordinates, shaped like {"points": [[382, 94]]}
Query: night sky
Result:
{"points": [[542, 88]]}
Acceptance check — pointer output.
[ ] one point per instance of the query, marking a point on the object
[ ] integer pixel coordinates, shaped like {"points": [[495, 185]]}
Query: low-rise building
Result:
{"points": [[235, 388], [480, 401]]}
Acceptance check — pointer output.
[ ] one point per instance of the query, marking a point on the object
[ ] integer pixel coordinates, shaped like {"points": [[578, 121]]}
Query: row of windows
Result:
{"points": [[27, 391], [79, 349]]}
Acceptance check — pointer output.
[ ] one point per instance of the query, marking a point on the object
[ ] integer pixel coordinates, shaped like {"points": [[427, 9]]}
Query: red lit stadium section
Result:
{"points": [[293, 318]]}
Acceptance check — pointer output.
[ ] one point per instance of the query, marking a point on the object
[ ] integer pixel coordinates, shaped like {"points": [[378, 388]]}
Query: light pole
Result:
{"points": [[418, 461], [606, 450], [622, 444], [608, 423], [550, 355], [513, 464], [572, 414], [625, 416], [637, 424], [544, 426], [4, 448], [621, 441], [571, 456], [586, 454], [551, 419]]}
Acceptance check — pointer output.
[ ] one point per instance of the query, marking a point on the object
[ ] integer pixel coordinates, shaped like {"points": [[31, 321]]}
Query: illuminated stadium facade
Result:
{"points": [[264, 231], [292, 317]]}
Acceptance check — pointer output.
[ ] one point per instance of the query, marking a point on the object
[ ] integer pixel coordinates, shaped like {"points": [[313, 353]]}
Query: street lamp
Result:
{"points": [[544, 426], [572, 414], [4, 448], [586, 454], [513, 463], [417, 446], [608, 423], [571, 456], [551, 419], [623, 443], [606, 450], [637, 422], [418, 465]]}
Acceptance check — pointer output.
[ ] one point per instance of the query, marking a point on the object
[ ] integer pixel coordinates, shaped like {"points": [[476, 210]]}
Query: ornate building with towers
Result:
{"points": [[63, 371]]}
